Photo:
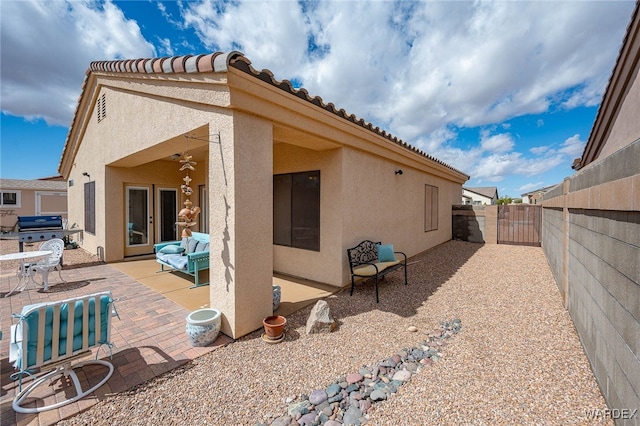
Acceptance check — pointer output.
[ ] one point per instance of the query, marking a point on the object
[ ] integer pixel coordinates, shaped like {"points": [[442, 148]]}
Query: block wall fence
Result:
{"points": [[476, 224], [591, 238]]}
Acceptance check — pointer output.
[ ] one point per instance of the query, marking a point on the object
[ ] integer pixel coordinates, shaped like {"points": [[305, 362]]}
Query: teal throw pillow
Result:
{"points": [[385, 253], [171, 249]]}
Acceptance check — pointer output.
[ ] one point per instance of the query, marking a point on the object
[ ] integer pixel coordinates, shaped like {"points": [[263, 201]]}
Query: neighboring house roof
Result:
{"points": [[485, 191], [219, 62], [36, 184], [57, 177], [539, 190], [619, 81]]}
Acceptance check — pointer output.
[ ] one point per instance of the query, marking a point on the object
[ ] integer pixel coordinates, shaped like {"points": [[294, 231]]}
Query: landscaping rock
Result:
{"points": [[300, 407], [352, 417], [378, 395], [320, 320], [333, 389], [308, 419], [282, 421], [349, 398], [354, 378], [318, 396], [402, 375]]}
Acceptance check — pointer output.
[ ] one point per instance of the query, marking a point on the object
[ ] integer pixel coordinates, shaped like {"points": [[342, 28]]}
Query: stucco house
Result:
{"points": [[479, 196], [33, 197], [591, 236], [285, 182], [535, 196]]}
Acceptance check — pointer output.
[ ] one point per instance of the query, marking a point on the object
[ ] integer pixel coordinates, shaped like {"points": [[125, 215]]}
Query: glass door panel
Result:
{"points": [[168, 214], [138, 237]]}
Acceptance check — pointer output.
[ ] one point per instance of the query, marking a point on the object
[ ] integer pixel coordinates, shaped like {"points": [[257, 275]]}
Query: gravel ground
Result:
{"points": [[517, 359]]}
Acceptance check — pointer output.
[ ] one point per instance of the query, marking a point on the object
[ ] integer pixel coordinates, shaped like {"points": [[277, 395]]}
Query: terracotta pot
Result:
{"points": [[274, 326]]}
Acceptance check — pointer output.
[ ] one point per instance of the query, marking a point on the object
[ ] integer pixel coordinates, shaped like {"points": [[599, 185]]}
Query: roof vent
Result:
{"points": [[102, 108]]}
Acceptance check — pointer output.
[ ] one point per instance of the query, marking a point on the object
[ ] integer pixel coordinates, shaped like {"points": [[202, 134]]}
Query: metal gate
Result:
{"points": [[519, 224]]}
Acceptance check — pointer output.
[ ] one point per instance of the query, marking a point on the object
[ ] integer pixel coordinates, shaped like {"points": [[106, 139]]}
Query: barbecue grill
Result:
{"points": [[33, 229]]}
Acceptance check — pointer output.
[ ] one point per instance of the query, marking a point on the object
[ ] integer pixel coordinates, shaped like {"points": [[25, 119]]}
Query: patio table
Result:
{"points": [[23, 275]]}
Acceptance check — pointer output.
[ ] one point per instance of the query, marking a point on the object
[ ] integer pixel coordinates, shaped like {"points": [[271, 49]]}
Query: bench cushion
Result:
{"points": [[176, 261], [370, 270]]}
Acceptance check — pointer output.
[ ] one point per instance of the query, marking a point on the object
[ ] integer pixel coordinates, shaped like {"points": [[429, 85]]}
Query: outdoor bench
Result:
{"points": [[51, 336], [190, 255], [374, 260]]}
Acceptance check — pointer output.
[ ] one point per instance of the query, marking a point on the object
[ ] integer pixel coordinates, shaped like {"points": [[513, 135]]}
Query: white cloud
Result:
{"points": [[539, 150], [573, 146], [502, 142], [166, 47], [422, 69], [271, 34], [496, 167], [531, 186], [47, 47]]}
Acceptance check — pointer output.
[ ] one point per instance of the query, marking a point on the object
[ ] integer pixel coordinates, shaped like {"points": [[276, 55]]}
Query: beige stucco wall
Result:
{"points": [[323, 266], [241, 222], [359, 189], [382, 206], [116, 151], [361, 198]]}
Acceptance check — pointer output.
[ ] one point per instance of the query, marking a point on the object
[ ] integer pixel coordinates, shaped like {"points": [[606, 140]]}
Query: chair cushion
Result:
{"points": [[32, 320], [385, 253], [370, 270], [172, 249]]}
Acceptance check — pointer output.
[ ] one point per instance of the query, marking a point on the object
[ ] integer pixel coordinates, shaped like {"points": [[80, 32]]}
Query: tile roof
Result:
{"points": [[486, 191], [541, 190], [626, 65], [35, 184], [219, 62]]}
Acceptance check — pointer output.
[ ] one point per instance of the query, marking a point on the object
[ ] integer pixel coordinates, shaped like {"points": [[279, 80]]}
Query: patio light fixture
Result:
{"points": [[399, 171]]}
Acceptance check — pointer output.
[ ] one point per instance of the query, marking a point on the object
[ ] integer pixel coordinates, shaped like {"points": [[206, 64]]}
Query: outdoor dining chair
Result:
{"points": [[50, 263]]}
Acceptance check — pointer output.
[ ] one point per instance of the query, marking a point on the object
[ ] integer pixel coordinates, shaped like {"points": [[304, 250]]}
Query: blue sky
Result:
{"points": [[506, 92]]}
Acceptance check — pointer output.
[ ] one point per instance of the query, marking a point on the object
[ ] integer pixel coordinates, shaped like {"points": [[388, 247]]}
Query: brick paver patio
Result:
{"points": [[149, 338]]}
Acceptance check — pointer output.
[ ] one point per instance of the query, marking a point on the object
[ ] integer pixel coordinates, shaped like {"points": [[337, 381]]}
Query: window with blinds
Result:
{"points": [[296, 210]]}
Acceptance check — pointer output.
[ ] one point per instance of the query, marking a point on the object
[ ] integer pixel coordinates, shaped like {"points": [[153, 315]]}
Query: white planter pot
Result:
{"points": [[277, 293], [203, 326]]}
